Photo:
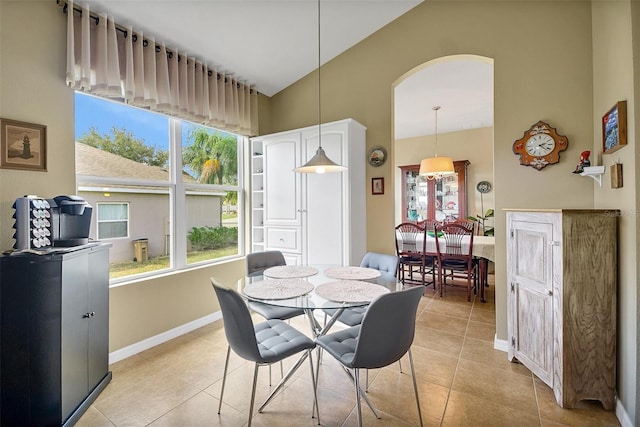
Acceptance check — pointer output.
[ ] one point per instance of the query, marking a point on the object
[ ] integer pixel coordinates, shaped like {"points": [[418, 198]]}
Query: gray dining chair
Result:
{"points": [[388, 266], [257, 263], [384, 336], [264, 343]]}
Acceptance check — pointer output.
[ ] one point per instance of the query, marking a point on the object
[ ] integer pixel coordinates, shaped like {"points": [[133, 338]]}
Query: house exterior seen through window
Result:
{"points": [[185, 209]]}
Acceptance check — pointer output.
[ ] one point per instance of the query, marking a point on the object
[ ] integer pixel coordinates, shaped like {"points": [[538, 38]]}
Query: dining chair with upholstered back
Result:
{"points": [[386, 264], [264, 343], [378, 341], [454, 248], [257, 263]]}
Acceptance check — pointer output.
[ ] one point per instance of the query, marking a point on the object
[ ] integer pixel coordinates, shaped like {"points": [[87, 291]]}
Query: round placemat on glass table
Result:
{"points": [[275, 289], [290, 271], [352, 273], [350, 291]]}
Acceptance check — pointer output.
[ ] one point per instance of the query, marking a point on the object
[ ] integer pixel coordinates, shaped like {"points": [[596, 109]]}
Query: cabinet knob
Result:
{"points": [[549, 292], [89, 314]]}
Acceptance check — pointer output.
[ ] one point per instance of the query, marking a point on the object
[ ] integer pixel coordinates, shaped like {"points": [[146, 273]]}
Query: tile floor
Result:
{"points": [[462, 381]]}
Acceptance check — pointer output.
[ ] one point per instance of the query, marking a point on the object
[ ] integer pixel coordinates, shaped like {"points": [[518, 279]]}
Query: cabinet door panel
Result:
{"points": [[533, 332], [530, 272], [75, 331], [98, 363], [324, 205], [282, 184]]}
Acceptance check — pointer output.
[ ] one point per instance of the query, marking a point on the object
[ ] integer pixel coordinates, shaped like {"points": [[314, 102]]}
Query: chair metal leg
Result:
{"points": [[356, 376], [253, 392], [224, 377], [314, 380], [284, 379], [362, 393], [415, 386]]}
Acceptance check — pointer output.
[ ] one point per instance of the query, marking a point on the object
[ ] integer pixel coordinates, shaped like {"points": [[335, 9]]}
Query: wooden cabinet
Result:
{"points": [[443, 199], [561, 278], [311, 218], [55, 334]]}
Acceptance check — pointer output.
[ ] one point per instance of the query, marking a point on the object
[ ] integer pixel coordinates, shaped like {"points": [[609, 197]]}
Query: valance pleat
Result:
{"points": [[115, 62]]}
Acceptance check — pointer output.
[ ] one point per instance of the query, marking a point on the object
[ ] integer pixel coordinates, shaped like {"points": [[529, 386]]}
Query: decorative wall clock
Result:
{"points": [[540, 146]]}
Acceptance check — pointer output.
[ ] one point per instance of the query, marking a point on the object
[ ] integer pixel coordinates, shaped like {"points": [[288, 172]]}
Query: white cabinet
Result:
{"points": [[312, 219], [561, 305]]}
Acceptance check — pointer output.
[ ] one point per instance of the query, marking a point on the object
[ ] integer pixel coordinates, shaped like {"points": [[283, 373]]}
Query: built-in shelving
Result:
{"points": [[257, 196]]}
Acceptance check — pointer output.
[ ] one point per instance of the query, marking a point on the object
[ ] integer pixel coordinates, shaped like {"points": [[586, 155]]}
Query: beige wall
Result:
{"points": [[613, 80], [474, 145]]}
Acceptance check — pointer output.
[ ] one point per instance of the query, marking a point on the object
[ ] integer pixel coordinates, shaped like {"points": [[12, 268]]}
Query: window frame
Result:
{"points": [[177, 191]]}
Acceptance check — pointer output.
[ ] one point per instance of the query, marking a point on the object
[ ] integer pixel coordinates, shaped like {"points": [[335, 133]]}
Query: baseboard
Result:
{"points": [[622, 415], [153, 341], [502, 345]]}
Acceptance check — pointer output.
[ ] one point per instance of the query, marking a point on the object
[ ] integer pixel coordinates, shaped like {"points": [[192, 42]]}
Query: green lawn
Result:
{"points": [[157, 263]]}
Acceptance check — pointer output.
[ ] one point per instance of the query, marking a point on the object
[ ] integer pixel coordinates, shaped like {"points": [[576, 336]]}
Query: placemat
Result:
{"points": [[352, 273], [290, 271], [277, 289], [350, 291]]}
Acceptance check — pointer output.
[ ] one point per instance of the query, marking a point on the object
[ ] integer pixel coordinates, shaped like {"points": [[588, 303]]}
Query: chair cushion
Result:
{"points": [[273, 312], [278, 340], [350, 316], [341, 344]]}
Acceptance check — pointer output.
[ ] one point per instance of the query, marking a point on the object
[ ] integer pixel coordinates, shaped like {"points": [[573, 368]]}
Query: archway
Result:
{"points": [[462, 85]]}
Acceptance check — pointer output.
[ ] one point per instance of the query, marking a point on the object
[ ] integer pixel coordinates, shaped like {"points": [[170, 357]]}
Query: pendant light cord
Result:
{"points": [[319, 92], [436, 108]]}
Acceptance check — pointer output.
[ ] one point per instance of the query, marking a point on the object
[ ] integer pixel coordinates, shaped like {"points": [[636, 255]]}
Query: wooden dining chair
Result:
{"points": [[412, 257], [454, 248]]}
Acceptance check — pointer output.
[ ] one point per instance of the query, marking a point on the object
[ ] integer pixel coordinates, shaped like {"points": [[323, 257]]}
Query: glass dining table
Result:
{"points": [[317, 287]]}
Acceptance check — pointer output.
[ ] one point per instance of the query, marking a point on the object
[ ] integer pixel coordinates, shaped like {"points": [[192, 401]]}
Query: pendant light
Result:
{"points": [[319, 163], [436, 167]]}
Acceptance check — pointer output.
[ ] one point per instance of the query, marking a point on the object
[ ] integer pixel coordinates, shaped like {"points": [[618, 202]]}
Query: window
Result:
{"points": [[113, 220], [186, 206]]}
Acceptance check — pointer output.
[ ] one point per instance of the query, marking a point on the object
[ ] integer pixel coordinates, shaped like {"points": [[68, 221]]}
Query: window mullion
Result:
{"points": [[178, 211]]}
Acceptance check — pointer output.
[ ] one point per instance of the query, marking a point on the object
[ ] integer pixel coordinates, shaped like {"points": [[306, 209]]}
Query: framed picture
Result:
{"points": [[23, 145], [614, 128], [377, 185]]}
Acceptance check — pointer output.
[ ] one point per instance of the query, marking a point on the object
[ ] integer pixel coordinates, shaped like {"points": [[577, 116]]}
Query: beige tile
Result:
{"points": [[496, 385], [483, 316], [452, 325], [392, 392], [432, 366], [146, 401], [466, 410], [93, 418], [481, 331], [482, 352], [201, 410], [450, 308], [440, 341]]}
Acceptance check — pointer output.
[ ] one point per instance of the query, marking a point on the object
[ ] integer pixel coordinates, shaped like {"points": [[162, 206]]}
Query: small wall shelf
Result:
{"points": [[594, 172]]}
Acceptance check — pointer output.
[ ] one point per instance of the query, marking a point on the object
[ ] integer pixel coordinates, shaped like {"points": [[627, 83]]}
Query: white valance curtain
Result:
{"points": [[120, 63]]}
